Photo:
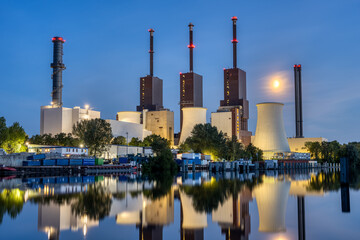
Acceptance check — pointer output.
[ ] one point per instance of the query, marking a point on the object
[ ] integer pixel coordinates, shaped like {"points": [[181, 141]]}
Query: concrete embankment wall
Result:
{"points": [[14, 160]]}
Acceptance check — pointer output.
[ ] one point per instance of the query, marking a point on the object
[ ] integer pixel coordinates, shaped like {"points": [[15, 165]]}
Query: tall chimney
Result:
{"points": [[191, 46], [298, 102], [57, 66], [234, 41], [151, 51]]}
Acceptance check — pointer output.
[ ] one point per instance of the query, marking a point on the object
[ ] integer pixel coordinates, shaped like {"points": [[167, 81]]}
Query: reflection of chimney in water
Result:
{"points": [[301, 217]]}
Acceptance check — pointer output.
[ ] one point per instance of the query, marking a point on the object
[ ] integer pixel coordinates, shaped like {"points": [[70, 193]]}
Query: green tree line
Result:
{"points": [[333, 151], [208, 140]]}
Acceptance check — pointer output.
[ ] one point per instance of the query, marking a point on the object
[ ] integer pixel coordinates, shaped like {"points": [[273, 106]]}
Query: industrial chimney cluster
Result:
{"points": [[151, 117]]}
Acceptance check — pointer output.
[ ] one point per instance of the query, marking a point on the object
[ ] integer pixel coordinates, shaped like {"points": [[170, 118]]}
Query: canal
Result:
{"points": [[192, 206]]}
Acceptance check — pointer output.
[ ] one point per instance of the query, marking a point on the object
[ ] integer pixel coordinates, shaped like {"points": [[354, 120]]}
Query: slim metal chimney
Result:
{"points": [[191, 46], [234, 41], [151, 31], [298, 102], [57, 66]]}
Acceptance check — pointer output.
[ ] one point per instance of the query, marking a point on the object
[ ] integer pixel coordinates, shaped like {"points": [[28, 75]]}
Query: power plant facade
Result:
{"points": [[191, 84], [235, 100], [270, 135]]}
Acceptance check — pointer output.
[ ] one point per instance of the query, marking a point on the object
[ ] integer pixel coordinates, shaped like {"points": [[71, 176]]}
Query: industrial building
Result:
{"points": [[160, 123], [128, 130], [55, 118], [270, 135], [151, 88], [191, 89], [235, 101]]}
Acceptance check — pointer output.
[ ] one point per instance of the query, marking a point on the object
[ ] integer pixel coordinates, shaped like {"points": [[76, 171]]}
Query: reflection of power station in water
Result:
{"points": [[192, 221], [271, 198], [233, 216]]}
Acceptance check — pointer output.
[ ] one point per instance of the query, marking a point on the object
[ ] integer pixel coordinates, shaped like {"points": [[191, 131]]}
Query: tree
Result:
{"points": [[314, 148], [3, 131], [60, 139], [95, 134], [157, 143], [136, 142], [350, 151], [207, 139], [234, 149], [162, 166], [184, 147], [254, 153], [16, 138], [120, 140]]}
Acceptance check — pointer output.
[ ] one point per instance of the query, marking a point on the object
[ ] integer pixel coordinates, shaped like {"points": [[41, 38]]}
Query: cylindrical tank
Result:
{"points": [[129, 116], [191, 117], [270, 135]]}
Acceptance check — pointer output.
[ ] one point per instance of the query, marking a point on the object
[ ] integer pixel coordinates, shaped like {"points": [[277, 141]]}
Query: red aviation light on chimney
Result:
{"points": [[234, 18], [191, 46], [299, 66], [234, 40]]}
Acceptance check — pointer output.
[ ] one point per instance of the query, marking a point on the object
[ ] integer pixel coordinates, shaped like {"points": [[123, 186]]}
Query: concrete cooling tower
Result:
{"points": [[270, 135], [191, 117]]}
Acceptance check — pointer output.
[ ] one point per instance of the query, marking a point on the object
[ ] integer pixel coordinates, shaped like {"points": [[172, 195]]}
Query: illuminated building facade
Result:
{"points": [[235, 100]]}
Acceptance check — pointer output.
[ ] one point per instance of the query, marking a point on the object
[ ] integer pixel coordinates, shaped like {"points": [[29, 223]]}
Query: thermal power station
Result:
{"points": [[153, 117], [151, 88], [270, 135], [232, 116], [55, 118], [191, 90]]}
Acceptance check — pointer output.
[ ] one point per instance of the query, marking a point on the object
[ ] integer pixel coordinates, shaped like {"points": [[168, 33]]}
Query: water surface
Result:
{"points": [[270, 205]]}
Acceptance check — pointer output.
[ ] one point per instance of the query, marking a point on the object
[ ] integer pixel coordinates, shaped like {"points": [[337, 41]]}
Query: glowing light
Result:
{"points": [[276, 84], [81, 145], [87, 106]]}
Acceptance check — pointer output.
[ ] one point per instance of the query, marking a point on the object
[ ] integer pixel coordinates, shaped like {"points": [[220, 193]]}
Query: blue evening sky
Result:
{"points": [[106, 52]]}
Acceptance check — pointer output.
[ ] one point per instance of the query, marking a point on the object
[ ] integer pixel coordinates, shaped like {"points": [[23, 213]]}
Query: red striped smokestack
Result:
{"points": [[191, 46], [151, 31], [234, 41]]}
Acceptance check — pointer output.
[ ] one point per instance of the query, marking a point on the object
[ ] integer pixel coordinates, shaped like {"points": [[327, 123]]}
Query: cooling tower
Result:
{"points": [[191, 117], [270, 135], [271, 198], [129, 116]]}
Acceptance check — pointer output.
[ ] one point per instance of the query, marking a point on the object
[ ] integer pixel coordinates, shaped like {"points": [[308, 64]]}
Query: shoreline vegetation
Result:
{"points": [[96, 135]]}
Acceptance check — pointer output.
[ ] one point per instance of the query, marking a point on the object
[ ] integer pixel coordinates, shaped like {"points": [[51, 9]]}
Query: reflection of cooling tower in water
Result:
{"points": [[271, 198], [191, 117], [270, 133], [191, 218]]}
